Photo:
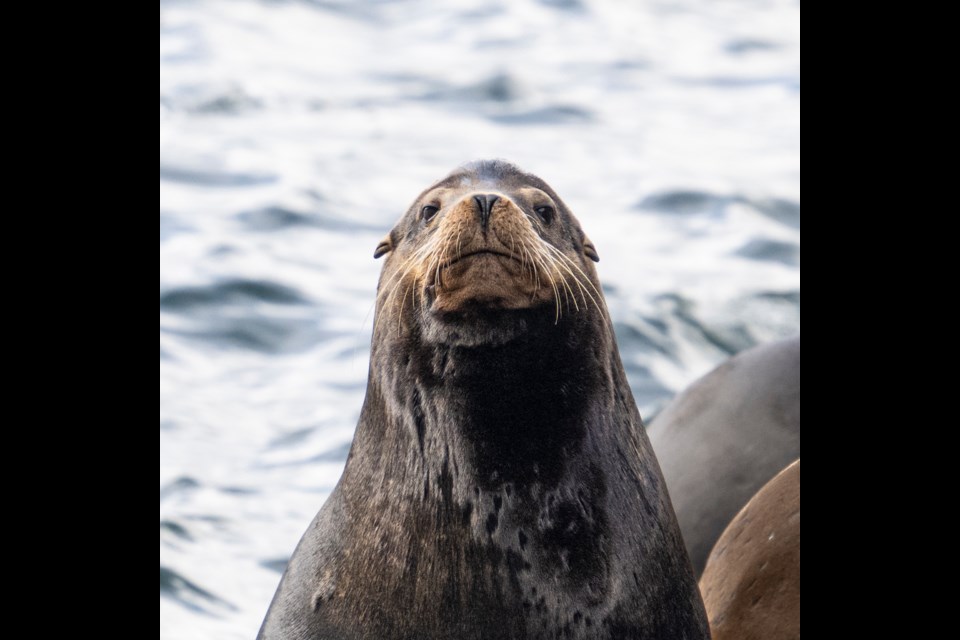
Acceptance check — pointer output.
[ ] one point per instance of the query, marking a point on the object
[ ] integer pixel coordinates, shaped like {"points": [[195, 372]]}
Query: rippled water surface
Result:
{"points": [[294, 134]]}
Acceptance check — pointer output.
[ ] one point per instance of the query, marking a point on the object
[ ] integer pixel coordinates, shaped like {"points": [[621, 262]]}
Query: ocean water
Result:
{"points": [[294, 134]]}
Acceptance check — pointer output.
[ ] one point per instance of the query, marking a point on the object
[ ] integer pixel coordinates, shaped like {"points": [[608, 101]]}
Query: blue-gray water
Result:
{"points": [[294, 134]]}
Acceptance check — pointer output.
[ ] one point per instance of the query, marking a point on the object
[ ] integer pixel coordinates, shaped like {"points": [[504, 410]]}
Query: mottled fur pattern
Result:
{"points": [[501, 484]]}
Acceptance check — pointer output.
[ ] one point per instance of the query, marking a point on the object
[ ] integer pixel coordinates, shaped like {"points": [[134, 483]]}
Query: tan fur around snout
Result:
{"points": [[504, 263], [493, 264]]}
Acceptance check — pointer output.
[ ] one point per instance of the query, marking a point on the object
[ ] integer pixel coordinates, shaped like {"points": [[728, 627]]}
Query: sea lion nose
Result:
{"points": [[485, 205]]}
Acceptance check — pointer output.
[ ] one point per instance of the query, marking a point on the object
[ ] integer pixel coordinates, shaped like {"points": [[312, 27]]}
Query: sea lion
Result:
{"points": [[501, 484], [752, 582], [725, 437]]}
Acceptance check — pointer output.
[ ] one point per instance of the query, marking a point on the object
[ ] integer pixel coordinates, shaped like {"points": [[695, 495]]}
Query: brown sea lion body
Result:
{"points": [[501, 484], [752, 582]]}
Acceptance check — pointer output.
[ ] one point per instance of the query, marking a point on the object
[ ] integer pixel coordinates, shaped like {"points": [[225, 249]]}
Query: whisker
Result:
{"points": [[583, 281]]}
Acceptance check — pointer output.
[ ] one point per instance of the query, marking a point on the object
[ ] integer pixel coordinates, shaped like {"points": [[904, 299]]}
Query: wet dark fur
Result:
{"points": [[495, 492]]}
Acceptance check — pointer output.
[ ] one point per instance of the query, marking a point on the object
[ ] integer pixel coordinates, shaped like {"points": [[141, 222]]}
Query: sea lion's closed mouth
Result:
{"points": [[482, 252]]}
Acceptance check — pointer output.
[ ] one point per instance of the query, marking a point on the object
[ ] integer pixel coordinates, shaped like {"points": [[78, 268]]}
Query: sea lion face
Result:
{"points": [[482, 250]]}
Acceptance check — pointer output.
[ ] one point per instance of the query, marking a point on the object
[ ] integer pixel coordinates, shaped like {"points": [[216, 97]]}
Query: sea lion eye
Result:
{"points": [[546, 213], [429, 212]]}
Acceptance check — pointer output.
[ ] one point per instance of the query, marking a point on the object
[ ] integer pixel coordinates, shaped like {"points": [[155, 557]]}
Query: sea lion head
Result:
{"points": [[483, 253]]}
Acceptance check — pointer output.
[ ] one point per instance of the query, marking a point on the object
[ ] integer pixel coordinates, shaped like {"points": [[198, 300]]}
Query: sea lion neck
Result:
{"points": [[503, 414]]}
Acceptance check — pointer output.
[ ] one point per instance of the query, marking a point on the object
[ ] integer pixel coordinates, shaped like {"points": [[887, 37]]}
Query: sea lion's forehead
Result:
{"points": [[490, 173], [513, 183], [444, 194], [464, 181]]}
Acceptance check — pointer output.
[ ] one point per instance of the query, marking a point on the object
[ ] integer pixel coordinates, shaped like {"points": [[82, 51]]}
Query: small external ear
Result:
{"points": [[385, 247], [590, 251]]}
